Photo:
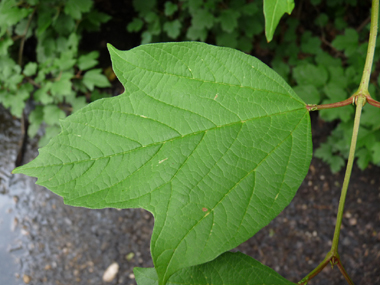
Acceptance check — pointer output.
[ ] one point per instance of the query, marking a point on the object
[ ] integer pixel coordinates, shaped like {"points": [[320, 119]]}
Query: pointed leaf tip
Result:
{"points": [[110, 47]]}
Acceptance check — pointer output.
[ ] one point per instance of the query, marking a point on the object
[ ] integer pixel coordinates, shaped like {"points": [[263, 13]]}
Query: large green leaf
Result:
{"points": [[273, 11], [228, 269], [210, 140]]}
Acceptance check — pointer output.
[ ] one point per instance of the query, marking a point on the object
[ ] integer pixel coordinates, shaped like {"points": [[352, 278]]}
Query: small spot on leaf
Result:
{"points": [[161, 161]]}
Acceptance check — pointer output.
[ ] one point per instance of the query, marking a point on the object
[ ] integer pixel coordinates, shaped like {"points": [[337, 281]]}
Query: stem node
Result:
{"points": [[359, 98]]}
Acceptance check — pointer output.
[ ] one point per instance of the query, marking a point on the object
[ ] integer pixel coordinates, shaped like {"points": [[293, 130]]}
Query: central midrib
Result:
{"points": [[157, 143]]}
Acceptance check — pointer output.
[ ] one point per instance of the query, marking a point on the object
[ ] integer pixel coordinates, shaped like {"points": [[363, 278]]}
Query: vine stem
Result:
{"points": [[344, 272], [360, 97], [23, 38], [360, 102], [363, 88], [333, 256]]}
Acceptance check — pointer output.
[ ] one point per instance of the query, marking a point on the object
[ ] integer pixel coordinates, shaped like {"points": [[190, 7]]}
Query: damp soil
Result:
{"points": [[43, 241]]}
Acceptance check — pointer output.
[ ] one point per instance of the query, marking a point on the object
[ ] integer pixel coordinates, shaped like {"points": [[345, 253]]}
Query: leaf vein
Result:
{"points": [[156, 143], [206, 81], [230, 190], [108, 188]]}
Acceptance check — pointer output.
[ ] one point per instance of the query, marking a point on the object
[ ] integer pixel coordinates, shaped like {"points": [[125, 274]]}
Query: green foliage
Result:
{"points": [[347, 42], [242, 269], [232, 25], [308, 93], [172, 28], [54, 80], [310, 74], [208, 139], [216, 146], [342, 83], [320, 72]]}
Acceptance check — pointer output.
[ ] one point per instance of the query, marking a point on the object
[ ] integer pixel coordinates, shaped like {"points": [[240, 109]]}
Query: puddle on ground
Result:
{"points": [[43, 241], [10, 234], [9, 263]]}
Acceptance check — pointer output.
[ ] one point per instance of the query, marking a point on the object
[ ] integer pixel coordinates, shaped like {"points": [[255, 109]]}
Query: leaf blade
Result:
{"points": [[193, 139], [229, 268]]}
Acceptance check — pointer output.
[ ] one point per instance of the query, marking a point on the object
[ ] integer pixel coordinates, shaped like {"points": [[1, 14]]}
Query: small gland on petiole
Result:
{"points": [[311, 107], [355, 99]]}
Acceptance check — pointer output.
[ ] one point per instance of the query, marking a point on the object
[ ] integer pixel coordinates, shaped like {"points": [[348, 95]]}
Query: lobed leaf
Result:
{"points": [[202, 18], [88, 61], [309, 74], [170, 8], [172, 28], [308, 93], [76, 8], [229, 20], [94, 78], [348, 42], [30, 69], [229, 268], [210, 140], [135, 26]]}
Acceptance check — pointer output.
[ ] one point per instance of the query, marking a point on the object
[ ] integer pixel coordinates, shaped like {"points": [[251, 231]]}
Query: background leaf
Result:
{"points": [[170, 8], [95, 78], [229, 20], [135, 25], [30, 69], [229, 268], [273, 11], [347, 42], [308, 93], [308, 74], [172, 28], [89, 60], [210, 140], [52, 114], [202, 19], [75, 8]]}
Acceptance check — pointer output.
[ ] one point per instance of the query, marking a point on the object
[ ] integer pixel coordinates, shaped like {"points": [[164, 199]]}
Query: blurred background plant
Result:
{"points": [[53, 75], [319, 49]]}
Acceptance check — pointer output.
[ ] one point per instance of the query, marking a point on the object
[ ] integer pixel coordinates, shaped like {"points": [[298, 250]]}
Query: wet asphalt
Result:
{"points": [[42, 241]]}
